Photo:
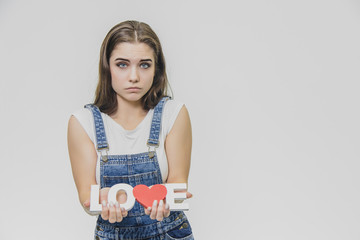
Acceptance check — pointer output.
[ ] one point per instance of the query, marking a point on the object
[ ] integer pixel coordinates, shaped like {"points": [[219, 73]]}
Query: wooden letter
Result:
{"points": [[130, 201], [95, 206], [172, 196]]}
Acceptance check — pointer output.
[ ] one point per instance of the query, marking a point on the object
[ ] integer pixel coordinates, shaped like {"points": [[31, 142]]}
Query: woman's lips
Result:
{"points": [[133, 89]]}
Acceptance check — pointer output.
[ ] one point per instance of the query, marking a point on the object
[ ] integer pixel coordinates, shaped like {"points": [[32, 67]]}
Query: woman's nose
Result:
{"points": [[134, 76]]}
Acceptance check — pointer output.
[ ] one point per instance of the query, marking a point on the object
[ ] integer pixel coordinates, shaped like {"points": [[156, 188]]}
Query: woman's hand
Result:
{"points": [[110, 211], [161, 210], [158, 212]]}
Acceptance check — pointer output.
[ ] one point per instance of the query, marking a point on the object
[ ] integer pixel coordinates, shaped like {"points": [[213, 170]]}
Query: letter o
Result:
{"points": [[130, 200]]}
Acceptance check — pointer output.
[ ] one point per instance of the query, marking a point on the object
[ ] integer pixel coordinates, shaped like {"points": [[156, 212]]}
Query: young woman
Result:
{"points": [[133, 133]]}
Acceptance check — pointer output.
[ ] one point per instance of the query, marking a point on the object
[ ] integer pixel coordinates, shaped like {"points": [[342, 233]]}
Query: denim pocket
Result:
{"points": [[183, 232], [149, 179]]}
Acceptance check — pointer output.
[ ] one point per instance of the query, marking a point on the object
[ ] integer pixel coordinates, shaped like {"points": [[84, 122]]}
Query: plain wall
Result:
{"points": [[272, 88]]}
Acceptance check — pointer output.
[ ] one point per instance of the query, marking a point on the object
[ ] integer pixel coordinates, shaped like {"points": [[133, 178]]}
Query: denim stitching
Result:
{"points": [[156, 122]]}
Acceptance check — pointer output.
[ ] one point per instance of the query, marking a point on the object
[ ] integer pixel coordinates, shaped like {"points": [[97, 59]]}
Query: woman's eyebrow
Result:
{"points": [[127, 60], [145, 60], [123, 59]]}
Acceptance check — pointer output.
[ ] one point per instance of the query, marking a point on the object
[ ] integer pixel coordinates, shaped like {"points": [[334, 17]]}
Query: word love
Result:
{"points": [[143, 194]]}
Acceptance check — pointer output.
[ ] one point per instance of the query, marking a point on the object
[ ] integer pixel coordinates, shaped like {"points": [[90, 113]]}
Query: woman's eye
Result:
{"points": [[145, 65], [122, 65]]}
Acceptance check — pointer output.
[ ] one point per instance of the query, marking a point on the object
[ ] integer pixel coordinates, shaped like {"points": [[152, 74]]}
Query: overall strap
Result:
{"points": [[156, 123], [101, 141]]}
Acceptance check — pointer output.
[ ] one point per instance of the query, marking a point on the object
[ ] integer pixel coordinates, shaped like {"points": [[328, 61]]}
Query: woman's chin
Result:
{"points": [[131, 98]]}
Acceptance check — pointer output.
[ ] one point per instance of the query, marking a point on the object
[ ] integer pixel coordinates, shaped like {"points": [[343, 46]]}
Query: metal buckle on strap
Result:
{"points": [[104, 157], [151, 153]]}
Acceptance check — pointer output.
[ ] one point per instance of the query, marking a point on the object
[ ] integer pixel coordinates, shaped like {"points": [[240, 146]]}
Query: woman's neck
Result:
{"points": [[129, 114]]}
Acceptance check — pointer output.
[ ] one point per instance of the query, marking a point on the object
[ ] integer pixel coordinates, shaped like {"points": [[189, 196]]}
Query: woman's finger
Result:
{"points": [[124, 212], [188, 195], [86, 204], [104, 211], [153, 210], [119, 216], [148, 211], [160, 211], [167, 210], [112, 213]]}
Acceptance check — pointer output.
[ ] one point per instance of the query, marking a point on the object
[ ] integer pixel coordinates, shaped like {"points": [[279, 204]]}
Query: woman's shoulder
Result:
{"points": [[170, 113], [85, 118], [172, 107], [82, 114]]}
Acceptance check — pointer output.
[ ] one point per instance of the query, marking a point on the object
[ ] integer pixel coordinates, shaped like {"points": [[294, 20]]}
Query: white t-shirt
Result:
{"points": [[123, 141]]}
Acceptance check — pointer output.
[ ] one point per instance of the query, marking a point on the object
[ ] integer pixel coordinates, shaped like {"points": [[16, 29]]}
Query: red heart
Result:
{"points": [[146, 196]]}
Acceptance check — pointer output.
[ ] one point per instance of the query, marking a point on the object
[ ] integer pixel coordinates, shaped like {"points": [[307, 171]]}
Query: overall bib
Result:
{"points": [[135, 169]]}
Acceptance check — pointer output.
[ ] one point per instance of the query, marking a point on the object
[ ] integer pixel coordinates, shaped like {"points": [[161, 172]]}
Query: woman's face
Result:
{"points": [[132, 68]]}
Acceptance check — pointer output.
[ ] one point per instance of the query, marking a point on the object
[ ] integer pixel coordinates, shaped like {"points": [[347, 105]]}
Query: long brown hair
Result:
{"points": [[131, 32]]}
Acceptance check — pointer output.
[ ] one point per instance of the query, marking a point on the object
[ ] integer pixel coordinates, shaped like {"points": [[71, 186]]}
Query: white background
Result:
{"points": [[272, 88]]}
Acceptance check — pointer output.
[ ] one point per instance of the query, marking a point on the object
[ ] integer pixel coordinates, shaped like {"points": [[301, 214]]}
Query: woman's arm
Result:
{"points": [[178, 152], [178, 148], [83, 158]]}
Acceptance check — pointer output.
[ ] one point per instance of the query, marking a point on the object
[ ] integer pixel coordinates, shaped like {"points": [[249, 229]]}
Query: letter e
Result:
{"points": [[171, 196]]}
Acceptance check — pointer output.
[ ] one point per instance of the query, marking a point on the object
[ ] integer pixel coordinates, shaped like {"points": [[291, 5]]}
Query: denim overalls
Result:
{"points": [[135, 169]]}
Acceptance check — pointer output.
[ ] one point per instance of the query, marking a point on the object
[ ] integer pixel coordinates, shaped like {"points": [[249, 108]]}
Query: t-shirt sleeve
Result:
{"points": [[84, 116], [171, 111]]}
